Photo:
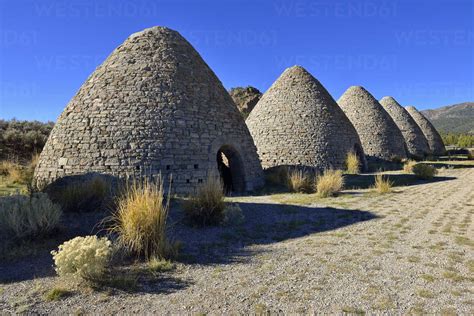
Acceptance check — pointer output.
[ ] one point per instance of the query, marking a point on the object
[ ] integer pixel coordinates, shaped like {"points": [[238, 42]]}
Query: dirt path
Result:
{"points": [[408, 251]]}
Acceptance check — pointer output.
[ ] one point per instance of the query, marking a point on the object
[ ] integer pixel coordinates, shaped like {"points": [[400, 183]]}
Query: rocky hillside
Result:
{"points": [[245, 98], [457, 118]]}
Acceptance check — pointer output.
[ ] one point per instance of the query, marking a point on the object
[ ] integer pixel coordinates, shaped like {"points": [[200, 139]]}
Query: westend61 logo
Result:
{"points": [[232, 38], [444, 89], [96, 9], [341, 61], [328, 8]]}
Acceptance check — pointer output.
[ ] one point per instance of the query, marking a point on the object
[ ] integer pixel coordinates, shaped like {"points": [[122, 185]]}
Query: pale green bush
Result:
{"points": [[24, 216], [84, 257], [233, 215], [424, 171]]}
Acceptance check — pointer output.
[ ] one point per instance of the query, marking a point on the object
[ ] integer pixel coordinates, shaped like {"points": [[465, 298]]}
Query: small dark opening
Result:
{"points": [[187, 180], [168, 167], [196, 166], [137, 167], [230, 169], [199, 180]]}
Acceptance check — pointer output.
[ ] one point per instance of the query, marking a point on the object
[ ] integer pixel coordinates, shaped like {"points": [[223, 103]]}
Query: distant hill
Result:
{"points": [[457, 118]]}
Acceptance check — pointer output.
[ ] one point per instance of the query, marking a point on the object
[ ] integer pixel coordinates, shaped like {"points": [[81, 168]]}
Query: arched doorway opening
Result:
{"points": [[231, 169]]}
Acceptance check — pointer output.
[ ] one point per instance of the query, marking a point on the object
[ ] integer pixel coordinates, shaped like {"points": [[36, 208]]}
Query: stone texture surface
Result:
{"points": [[245, 98], [415, 140], [153, 106], [298, 123], [434, 139], [380, 136]]}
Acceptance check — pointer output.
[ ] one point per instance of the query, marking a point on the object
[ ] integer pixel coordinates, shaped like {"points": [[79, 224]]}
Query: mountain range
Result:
{"points": [[457, 118]]}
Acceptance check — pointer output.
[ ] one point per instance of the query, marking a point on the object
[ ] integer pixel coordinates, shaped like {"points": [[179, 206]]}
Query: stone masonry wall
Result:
{"points": [[153, 106]]}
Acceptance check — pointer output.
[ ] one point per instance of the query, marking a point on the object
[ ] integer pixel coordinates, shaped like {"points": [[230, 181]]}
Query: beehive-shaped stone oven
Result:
{"points": [[381, 139], [414, 138], [154, 106], [298, 123], [434, 139]]}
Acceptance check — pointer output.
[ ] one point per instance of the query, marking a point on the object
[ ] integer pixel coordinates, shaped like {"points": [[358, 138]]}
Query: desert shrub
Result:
{"points": [[28, 216], [352, 163], [470, 154], [383, 184], [408, 166], [277, 176], [329, 183], [233, 215], [300, 181], [424, 171], [84, 257], [19, 140], [159, 265], [84, 196], [206, 206], [140, 219]]}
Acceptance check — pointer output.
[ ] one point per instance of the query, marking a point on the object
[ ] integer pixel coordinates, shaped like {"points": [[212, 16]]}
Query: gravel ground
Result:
{"points": [[410, 251]]}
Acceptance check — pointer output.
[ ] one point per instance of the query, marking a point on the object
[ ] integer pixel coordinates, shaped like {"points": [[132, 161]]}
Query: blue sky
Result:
{"points": [[420, 52]]}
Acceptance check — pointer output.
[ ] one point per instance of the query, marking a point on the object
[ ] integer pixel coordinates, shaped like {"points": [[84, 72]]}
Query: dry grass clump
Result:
{"points": [[470, 154], [352, 163], [28, 216], [84, 196], [300, 181], [140, 219], [408, 166], [383, 184], [18, 173], [329, 183], [206, 206], [424, 171]]}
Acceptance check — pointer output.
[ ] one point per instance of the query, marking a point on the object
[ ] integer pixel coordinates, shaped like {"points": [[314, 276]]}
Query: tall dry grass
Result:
{"points": [[382, 184], [300, 181], [330, 183], [352, 163], [408, 166], [206, 206], [140, 219]]}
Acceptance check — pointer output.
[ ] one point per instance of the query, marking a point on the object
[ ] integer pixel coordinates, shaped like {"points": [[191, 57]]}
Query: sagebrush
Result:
{"points": [[206, 206], [424, 171], [141, 217], [24, 216], [233, 215], [330, 183], [83, 257]]}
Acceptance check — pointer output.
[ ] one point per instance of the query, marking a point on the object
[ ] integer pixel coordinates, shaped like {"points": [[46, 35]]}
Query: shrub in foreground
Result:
{"points": [[24, 216], [300, 181], [84, 257], [329, 183], [424, 171], [408, 166], [140, 219], [206, 206], [83, 196], [233, 215], [383, 184], [352, 163]]}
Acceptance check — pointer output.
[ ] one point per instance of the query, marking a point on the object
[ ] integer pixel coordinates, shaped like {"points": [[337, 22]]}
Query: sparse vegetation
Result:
{"points": [[408, 166], [206, 206], [83, 257], [352, 163], [277, 176], [24, 216], [382, 184], [140, 220], [424, 171], [329, 183], [159, 265], [82, 196], [233, 215], [300, 181], [56, 294]]}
